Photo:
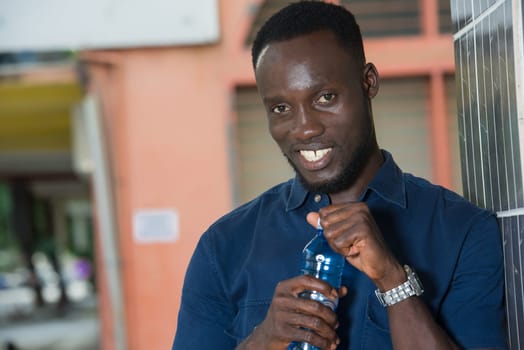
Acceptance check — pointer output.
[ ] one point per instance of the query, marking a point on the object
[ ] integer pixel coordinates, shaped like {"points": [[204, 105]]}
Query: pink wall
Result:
{"points": [[166, 114], [175, 144]]}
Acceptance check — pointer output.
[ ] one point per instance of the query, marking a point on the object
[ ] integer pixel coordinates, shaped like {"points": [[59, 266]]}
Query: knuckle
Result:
{"points": [[279, 285], [316, 323], [362, 205], [308, 336], [316, 307]]}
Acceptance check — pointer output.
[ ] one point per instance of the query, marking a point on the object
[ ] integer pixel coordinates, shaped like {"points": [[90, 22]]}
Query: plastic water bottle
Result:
{"points": [[320, 261]]}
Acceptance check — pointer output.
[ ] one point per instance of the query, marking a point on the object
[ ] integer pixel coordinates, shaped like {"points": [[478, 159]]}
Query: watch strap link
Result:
{"points": [[407, 289]]}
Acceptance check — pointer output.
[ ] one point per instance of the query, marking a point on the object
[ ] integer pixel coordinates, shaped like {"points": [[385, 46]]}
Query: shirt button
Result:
{"points": [[318, 198]]}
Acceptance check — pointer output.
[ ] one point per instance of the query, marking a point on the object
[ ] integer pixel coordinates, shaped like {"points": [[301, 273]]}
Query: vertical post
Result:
{"points": [[429, 17], [105, 216], [518, 44], [438, 120], [440, 147]]}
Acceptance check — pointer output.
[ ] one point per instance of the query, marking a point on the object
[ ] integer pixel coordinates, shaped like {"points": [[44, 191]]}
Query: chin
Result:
{"points": [[323, 186], [336, 183]]}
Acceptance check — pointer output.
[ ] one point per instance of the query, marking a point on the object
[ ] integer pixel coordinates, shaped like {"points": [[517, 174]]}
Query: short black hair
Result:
{"points": [[305, 17]]}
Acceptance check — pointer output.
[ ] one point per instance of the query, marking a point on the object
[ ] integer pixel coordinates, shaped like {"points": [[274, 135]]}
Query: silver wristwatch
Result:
{"points": [[411, 287]]}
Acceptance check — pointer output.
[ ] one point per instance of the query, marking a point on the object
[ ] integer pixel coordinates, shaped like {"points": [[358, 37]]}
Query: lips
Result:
{"points": [[315, 159]]}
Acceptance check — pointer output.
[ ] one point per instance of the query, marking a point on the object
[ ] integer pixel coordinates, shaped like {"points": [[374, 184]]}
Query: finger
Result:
{"points": [[343, 291], [312, 218], [321, 336], [338, 212], [306, 282], [303, 313], [344, 234], [332, 208], [310, 337], [315, 310], [315, 317]]}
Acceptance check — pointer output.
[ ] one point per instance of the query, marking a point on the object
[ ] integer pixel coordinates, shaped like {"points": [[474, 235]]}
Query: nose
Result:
{"points": [[307, 124]]}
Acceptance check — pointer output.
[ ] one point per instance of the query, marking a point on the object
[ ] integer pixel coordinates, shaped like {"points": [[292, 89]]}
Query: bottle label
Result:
{"points": [[314, 295]]}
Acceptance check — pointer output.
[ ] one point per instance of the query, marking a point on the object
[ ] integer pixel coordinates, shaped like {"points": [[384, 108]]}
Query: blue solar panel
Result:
{"points": [[488, 132]]}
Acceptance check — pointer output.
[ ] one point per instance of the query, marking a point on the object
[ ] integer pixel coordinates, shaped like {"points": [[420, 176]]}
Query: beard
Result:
{"points": [[355, 163]]}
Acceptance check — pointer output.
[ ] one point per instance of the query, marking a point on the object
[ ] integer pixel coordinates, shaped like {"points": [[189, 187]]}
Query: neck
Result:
{"points": [[353, 193]]}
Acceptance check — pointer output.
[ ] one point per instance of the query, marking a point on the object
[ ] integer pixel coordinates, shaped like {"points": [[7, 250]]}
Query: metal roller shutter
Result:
{"points": [[401, 122], [376, 18]]}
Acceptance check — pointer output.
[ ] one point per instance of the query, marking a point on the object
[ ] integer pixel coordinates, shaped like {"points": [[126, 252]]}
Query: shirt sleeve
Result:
{"points": [[205, 312], [473, 310]]}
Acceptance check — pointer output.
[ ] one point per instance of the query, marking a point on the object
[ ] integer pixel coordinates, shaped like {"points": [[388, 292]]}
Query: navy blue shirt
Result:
{"points": [[454, 247]]}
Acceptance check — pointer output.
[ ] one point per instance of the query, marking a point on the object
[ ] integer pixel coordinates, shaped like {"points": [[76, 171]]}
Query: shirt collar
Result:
{"points": [[388, 183], [297, 195]]}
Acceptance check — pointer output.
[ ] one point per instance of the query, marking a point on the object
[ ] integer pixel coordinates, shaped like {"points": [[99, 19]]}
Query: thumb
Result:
{"points": [[312, 218]]}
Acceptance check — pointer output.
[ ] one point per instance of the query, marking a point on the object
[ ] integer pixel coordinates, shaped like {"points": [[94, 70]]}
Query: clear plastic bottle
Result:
{"points": [[320, 261]]}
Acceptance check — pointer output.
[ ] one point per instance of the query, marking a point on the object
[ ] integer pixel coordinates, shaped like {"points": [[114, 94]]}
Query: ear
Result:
{"points": [[370, 80]]}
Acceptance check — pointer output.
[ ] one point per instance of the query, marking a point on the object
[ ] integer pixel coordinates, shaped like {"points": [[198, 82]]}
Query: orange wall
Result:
{"points": [[167, 112], [176, 148]]}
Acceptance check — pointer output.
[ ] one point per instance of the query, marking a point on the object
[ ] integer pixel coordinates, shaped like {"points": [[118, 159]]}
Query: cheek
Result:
{"points": [[278, 131]]}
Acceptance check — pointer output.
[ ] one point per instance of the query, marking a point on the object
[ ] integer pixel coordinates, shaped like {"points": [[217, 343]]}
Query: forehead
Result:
{"points": [[318, 53]]}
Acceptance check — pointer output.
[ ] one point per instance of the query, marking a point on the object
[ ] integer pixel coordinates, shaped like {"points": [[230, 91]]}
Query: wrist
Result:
{"points": [[257, 340], [249, 343], [395, 276], [412, 287]]}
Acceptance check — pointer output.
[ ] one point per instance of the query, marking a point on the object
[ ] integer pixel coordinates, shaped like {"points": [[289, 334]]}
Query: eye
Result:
{"points": [[326, 98], [279, 109]]}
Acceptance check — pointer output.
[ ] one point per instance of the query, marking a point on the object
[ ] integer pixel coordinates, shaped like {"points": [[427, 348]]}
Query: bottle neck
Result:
{"points": [[320, 233]]}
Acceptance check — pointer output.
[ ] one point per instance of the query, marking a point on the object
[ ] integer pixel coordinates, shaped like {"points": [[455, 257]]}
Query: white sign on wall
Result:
{"points": [[45, 25], [155, 226]]}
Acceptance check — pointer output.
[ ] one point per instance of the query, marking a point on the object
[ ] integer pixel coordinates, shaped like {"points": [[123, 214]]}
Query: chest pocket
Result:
{"points": [[376, 326], [249, 315]]}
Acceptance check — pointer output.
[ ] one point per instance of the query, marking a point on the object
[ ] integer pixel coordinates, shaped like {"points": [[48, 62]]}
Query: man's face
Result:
{"points": [[317, 101]]}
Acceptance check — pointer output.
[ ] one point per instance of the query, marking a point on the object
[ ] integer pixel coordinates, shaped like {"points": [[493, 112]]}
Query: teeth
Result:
{"points": [[313, 156]]}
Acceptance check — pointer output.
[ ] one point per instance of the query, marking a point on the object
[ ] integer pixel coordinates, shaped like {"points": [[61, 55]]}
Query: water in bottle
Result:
{"points": [[320, 261]]}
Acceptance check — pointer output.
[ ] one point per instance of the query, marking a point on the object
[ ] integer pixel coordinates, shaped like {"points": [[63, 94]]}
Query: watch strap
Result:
{"points": [[410, 288]]}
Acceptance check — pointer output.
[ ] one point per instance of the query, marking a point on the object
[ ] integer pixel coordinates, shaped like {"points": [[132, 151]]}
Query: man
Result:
{"points": [[241, 288]]}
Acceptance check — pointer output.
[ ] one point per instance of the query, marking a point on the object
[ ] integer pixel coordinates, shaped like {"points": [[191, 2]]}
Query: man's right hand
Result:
{"points": [[291, 318]]}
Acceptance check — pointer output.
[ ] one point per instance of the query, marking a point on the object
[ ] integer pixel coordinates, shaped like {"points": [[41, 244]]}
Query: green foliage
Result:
{"points": [[8, 252], [6, 238]]}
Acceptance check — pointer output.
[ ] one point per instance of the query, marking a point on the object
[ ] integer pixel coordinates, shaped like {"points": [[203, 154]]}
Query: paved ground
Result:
{"points": [[28, 328]]}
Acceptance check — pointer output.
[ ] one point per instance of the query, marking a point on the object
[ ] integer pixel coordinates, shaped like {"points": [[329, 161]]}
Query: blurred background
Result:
{"points": [[128, 127]]}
